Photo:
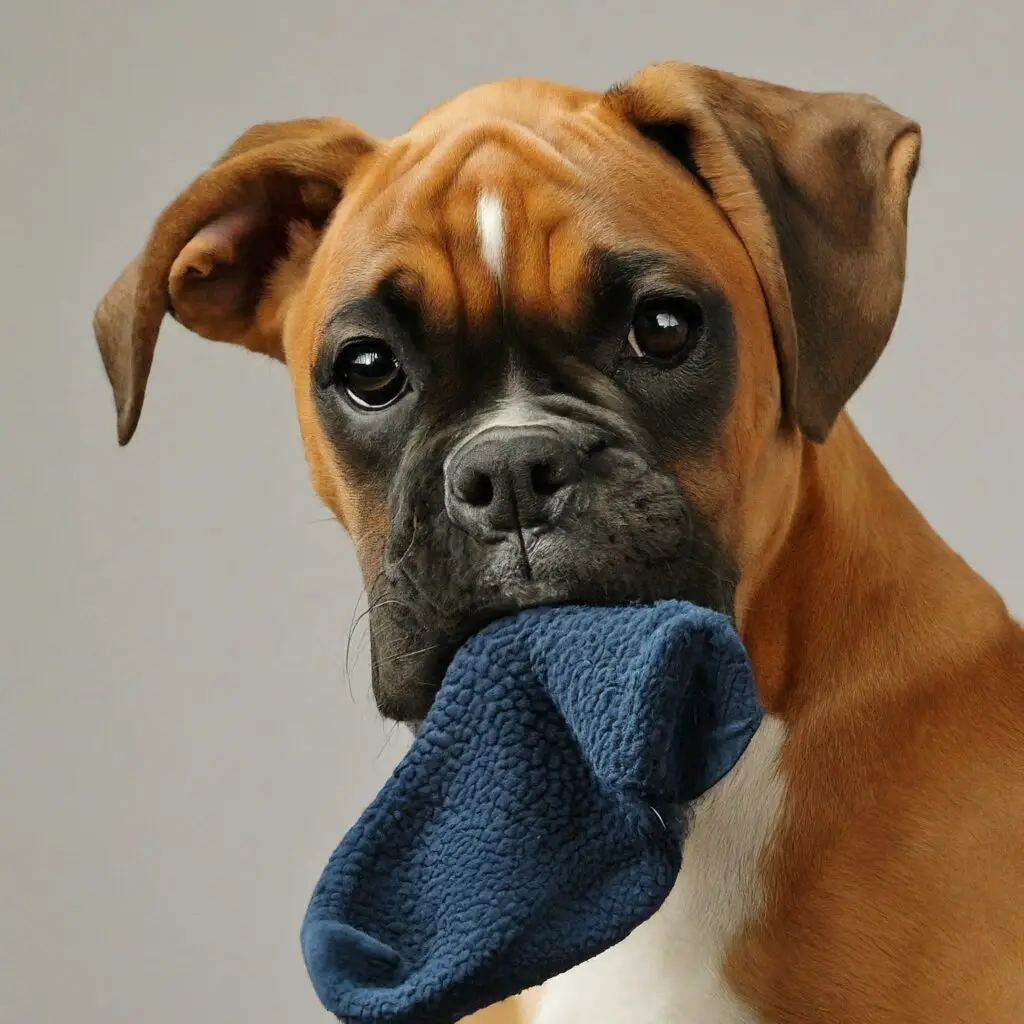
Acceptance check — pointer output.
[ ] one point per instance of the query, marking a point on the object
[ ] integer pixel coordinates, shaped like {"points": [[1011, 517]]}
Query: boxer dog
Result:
{"points": [[563, 346]]}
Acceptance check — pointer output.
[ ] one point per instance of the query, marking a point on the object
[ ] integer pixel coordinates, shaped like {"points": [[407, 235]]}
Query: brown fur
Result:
{"points": [[895, 886]]}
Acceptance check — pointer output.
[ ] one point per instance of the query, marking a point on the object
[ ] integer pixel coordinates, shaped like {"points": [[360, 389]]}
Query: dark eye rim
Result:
{"points": [[348, 395], [692, 314]]}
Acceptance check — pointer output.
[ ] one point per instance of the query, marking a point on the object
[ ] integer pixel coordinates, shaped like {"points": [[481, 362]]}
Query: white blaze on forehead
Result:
{"points": [[490, 224]]}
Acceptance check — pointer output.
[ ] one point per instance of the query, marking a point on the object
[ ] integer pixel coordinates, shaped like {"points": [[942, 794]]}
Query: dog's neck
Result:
{"points": [[857, 587]]}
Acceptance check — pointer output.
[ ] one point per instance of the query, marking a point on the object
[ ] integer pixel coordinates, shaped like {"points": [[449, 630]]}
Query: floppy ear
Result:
{"points": [[224, 256], [816, 186]]}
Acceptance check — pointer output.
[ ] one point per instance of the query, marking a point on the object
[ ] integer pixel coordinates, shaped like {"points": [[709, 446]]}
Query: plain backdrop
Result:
{"points": [[180, 745]]}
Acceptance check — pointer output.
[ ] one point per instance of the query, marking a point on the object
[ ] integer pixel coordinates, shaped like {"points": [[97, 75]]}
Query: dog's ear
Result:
{"points": [[224, 257], [816, 186]]}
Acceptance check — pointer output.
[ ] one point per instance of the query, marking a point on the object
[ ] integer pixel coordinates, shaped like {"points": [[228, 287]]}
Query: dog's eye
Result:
{"points": [[370, 374], [663, 329]]}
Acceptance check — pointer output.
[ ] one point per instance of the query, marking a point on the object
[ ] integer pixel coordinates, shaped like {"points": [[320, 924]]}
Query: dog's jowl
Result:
{"points": [[556, 346]]}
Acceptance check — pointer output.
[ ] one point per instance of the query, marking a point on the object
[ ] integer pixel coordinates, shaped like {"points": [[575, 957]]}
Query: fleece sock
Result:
{"points": [[540, 814]]}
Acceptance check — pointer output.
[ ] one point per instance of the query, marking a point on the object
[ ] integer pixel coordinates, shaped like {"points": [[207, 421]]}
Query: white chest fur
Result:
{"points": [[669, 970]]}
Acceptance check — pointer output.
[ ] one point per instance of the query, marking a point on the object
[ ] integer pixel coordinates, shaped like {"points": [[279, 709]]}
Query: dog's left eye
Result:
{"points": [[663, 330], [370, 374]]}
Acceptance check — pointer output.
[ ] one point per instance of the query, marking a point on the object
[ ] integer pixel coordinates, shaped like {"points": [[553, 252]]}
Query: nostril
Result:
{"points": [[477, 489], [508, 480], [546, 479]]}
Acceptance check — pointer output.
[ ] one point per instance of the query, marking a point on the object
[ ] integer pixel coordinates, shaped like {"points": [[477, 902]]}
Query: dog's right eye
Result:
{"points": [[369, 374], [664, 330]]}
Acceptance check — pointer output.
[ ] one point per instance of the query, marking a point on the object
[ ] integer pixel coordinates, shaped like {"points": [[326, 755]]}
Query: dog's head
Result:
{"points": [[548, 346]]}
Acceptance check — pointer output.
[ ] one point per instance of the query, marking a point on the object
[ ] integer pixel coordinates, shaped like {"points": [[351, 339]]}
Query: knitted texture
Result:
{"points": [[539, 815]]}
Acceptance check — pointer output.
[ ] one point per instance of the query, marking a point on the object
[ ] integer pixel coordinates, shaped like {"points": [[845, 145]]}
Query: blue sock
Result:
{"points": [[539, 815]]}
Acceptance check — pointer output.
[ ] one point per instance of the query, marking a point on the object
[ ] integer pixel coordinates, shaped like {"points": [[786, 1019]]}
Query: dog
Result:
{"points": [[555, 346]]}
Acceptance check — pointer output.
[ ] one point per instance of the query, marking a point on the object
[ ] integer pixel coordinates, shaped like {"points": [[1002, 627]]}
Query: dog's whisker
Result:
{"points": [[360, 617], [356, 619], [387, 739], [390, 567], [408, 654]]}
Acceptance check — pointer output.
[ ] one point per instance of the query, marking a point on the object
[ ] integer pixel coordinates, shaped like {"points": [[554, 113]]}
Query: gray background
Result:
{"points": [[180, 748]]}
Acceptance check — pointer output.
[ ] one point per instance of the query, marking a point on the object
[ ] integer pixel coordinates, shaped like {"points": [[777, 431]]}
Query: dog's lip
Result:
{"points": [[455, 641]]}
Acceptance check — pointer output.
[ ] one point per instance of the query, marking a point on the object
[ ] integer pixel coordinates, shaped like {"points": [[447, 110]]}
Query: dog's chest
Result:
{"points": [[669, 970]]}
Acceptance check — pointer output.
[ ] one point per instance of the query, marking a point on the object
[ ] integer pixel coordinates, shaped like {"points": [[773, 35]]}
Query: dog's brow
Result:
{"points": [[399, 294], [393, 303], [635, 270], [620, 279], [363, 314]]}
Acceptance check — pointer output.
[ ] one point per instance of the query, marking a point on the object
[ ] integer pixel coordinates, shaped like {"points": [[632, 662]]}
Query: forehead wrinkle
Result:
{"points": [[567, 254], [444, 297], [428, 276], [474, 285], [423, 172]]}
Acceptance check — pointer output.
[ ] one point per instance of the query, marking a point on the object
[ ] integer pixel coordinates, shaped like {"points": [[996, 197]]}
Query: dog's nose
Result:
{"points": [[511, 478]]}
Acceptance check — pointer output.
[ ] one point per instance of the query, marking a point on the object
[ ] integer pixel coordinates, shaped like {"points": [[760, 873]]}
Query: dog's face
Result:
{"points": [[521, 389], [545, 346]]}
